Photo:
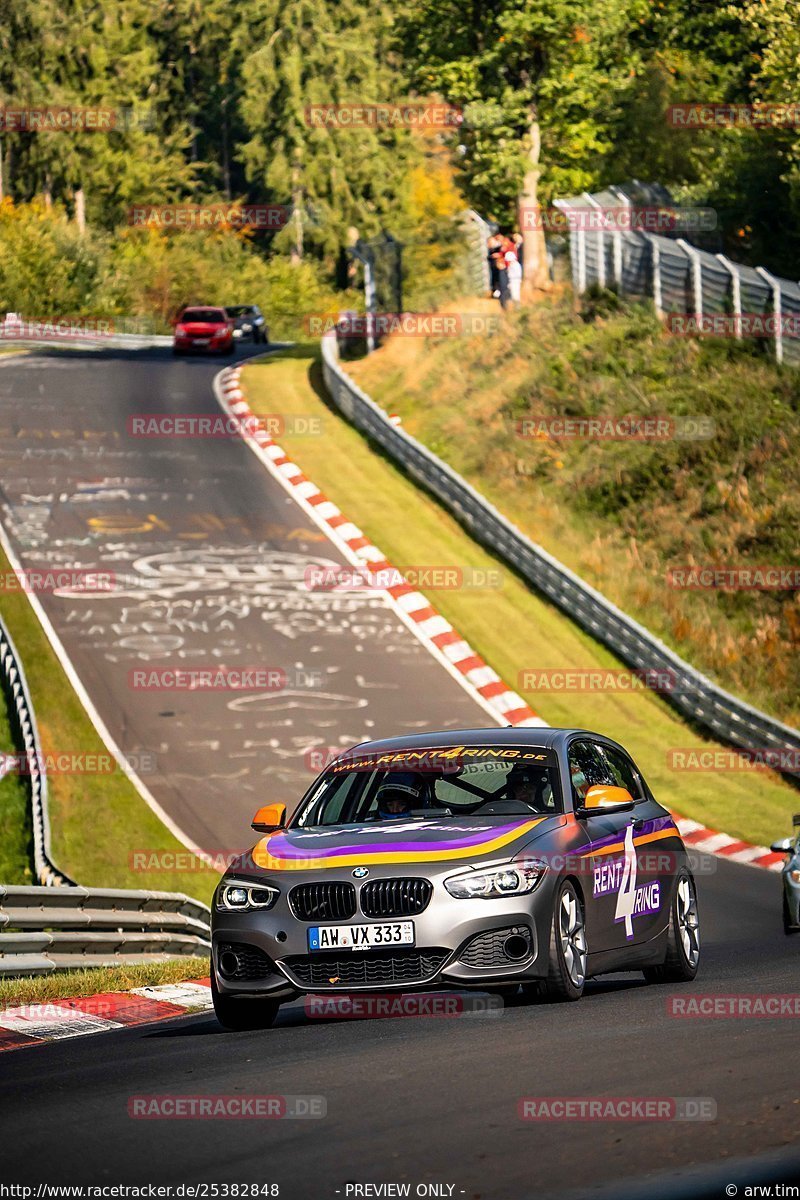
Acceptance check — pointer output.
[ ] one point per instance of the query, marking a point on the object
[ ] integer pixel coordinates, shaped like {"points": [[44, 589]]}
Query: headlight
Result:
{"points": [[509, 879], [236, 895], [180, 331], [794, 876]]}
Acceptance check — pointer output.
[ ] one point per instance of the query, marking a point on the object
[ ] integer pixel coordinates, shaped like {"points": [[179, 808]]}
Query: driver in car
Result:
{"points": [[398, 796], [529, 786]]}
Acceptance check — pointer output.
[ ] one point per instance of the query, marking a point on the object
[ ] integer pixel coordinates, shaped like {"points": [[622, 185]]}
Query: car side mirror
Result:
{"points": [[784, 846], [602, 798], [269, 818]]}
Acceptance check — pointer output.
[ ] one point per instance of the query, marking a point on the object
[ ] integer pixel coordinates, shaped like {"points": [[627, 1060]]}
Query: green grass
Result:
{"points": [[96, 820], [511, 627], [60, 985], [621, 513]]}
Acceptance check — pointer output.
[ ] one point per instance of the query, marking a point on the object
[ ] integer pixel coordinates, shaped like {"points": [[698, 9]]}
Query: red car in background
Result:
{"points": [[207, 329]]}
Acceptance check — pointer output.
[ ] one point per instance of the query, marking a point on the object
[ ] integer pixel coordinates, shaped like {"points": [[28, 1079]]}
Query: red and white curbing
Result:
{"points": [[709, 841], [416, 611], [432, 628], [56, 1020]]}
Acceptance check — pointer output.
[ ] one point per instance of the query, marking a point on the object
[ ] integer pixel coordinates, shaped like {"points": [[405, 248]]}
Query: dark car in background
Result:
{"points": [[203, 328], [790, 876], [248, 322]]}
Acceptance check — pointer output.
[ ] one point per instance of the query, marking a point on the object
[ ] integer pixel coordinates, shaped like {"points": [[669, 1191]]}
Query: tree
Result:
{"points": [[310, 55], [537, 82]]}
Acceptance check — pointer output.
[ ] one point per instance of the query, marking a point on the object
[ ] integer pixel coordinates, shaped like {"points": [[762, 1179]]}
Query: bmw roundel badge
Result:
{"points": [[361, 873]]}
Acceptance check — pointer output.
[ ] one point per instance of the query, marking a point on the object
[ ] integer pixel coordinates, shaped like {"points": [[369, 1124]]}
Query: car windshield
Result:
{"points": [[209, 316], [491, 782], [240, 310]]}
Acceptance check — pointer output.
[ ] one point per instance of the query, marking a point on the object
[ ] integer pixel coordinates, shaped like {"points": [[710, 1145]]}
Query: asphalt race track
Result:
{"points": [[434, 1100], [209, 558], [409, 1101]]}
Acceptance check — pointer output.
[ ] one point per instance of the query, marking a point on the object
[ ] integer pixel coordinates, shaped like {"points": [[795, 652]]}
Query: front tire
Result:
{"points": [[683, 937], [566, 974], [243, 1013], [788, 927]]}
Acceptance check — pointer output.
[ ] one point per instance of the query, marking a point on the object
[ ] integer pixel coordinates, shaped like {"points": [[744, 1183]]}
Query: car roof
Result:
{"points": [[546, 737], [204, 308]]}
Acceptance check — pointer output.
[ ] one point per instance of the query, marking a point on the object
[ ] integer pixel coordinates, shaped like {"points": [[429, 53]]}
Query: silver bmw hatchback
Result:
{"points": [[481, 858]]}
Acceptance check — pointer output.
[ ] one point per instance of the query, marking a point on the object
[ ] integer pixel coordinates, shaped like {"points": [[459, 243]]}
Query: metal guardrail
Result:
{"points": [[694, 695], [60, 924], [45, 928], [15, 687], [681, 278]]}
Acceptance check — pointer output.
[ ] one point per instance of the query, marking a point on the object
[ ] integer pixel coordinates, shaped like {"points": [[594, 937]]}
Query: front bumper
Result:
{"points": [[209, 347], [459, 942]]}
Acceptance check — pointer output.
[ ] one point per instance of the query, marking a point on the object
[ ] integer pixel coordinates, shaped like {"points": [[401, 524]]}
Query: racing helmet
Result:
{"points": [[398, 795], [529, 777]]}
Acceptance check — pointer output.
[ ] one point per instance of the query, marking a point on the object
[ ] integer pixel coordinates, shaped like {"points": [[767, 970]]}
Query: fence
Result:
{"points": [[679, 277], [59, 924], [90, 927], [15, 688], [695, 696]]}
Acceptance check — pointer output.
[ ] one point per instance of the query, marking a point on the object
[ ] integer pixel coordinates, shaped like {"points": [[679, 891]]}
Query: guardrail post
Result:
{"points": [[736, 294], [616, 236], [776, 309], [655, 261], [601, 245], [697, 277]]}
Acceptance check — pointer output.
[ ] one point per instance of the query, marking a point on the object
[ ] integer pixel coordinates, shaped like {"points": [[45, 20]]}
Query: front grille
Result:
{"points": [[323, 901], [486, 949], [253, 963], [395, 897], [365, 969]]}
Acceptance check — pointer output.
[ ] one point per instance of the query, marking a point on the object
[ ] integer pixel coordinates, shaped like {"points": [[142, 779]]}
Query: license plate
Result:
{"points": [[201, 341], [361, 937]]}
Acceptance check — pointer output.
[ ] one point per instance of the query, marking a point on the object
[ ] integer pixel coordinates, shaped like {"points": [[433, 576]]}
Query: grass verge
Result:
{"points": [[95, 820], [721, 485], [61, 985], [510, 626], [16, 833]]}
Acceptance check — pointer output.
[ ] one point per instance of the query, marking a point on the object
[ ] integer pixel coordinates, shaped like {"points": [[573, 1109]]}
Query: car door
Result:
{"points": [[608, 853], [645, 901]]}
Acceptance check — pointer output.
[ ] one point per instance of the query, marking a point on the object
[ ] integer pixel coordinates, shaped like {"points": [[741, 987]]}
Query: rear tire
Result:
{"points": [[566, 973], [788, 927], [243, 1013], [683, 937]]}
